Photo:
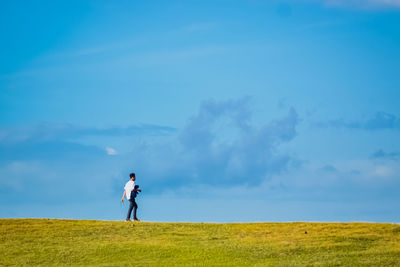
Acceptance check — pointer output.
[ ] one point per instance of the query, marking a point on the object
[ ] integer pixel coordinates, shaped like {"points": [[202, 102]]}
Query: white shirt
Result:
{"points": [[128, 188]]}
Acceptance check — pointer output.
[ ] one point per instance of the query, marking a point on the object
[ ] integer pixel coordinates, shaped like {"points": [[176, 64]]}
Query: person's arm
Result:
{"points": [[123, 197]]}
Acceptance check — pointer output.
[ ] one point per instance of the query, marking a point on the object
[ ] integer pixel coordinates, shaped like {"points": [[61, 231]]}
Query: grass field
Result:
{"points": [[50, 242]]}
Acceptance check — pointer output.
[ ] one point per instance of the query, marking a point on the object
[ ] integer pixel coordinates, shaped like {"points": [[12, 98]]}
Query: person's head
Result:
{"points": [[132, 176]]}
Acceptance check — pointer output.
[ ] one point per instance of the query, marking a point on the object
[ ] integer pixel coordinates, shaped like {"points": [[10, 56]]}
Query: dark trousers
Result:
{"points": [[132, 206]]}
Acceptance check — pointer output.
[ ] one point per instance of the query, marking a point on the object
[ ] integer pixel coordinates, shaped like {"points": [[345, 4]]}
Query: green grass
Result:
{"points": [[105, 243]]}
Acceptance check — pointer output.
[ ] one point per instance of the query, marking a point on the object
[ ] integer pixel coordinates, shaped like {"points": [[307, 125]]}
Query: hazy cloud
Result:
{"points": [[48, 150], [379, 121], [53, 131], [380, 154], [383, 171], [47, 157], [361, 3], [329, 168]]}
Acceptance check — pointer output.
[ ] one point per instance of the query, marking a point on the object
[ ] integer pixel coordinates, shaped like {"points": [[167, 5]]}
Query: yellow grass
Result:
{"points": [[106, 243]]}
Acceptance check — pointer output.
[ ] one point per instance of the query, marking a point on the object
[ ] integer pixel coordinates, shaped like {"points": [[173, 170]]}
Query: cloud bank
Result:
{"points": [[218, 154], [220, 146]]}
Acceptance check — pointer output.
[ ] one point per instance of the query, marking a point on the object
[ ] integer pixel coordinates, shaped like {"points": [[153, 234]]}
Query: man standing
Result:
{"points": [[129, 187]]}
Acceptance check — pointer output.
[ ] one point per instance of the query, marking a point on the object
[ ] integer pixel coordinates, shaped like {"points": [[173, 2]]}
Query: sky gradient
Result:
{"points": [[227, 111]]}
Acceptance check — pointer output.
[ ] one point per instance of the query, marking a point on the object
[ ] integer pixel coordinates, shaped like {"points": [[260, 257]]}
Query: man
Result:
{"points": [[128, 189]]}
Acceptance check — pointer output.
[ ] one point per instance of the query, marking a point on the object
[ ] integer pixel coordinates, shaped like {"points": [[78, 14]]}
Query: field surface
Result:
{"points": [[106, 243]]}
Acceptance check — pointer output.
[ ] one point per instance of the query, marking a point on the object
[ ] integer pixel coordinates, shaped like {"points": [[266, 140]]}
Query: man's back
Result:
{"points": [[129, 186]]}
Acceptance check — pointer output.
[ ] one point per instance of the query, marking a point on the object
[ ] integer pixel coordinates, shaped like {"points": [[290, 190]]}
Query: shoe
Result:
{"points": [[136, 219], [128, 220]]}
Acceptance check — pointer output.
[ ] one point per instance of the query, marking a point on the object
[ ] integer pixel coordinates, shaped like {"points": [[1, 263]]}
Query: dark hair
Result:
{"points": [[132, 175]]}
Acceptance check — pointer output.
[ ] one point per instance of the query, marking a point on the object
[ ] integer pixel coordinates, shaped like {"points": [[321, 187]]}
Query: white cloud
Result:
{"points": [[111, 151], [382, 171]]}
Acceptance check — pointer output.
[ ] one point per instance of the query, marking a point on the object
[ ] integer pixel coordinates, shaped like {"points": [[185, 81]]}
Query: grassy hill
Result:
{"points": [[106, 243]]}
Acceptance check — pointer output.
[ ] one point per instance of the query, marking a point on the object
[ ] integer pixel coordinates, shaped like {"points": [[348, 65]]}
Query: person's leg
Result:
{"points": [[135, 206], [128, 216]]}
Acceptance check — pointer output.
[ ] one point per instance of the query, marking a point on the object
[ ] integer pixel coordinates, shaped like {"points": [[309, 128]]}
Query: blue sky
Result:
{"points": [[226, 110]]}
